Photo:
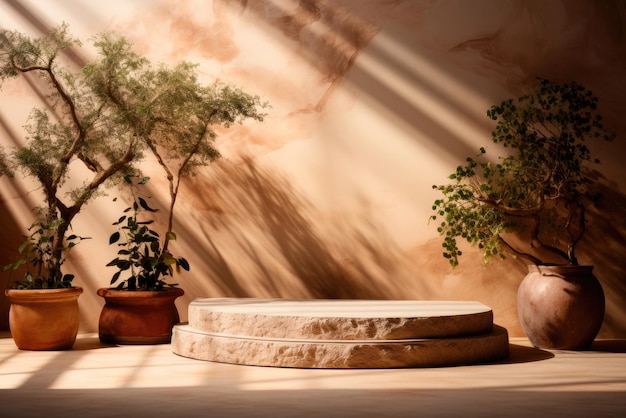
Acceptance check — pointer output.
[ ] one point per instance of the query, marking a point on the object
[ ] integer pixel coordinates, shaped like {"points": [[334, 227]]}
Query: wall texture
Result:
{"points": [[373, 102]]}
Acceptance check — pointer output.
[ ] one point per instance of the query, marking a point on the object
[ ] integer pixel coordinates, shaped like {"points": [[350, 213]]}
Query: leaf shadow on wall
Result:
{"points": [[12, 237], [261, 238], [604, 246]]}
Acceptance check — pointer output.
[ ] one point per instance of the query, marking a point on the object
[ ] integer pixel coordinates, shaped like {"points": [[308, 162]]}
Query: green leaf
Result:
{"points": [[116, 276], [22, 247], [55, 224], [183, 263], [113, 262], [114, 238], [144, 205], [123, 264]]}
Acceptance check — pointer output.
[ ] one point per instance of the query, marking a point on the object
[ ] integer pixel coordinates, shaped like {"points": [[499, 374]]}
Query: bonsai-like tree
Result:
{"points": [[76, 129], [104, 118], [530, 202], [174, 117]]}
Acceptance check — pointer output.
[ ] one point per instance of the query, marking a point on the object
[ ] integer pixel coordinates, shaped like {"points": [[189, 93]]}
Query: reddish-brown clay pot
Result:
{"points": [[138, 317], [44, 319], [560, 307]]}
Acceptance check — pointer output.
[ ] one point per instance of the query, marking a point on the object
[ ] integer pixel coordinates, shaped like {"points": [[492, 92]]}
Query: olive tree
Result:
{"points": [[104, 117]]}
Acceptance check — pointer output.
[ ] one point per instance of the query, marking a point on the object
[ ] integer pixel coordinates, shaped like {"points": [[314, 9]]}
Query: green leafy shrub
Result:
{"points": [[141, 258], [537, 192]]}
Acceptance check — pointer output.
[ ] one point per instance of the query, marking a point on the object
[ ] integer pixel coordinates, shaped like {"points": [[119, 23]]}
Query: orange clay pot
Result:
{"points": [[44, 319], [138, 317]]}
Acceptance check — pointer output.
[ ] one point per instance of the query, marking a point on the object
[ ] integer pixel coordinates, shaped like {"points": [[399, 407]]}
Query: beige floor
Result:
{"points": [[93, 380]]}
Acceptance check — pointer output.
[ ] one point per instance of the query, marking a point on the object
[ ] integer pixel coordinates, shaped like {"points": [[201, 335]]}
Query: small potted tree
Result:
{"points": [[174, 117], [531, 203], [73, 136]]}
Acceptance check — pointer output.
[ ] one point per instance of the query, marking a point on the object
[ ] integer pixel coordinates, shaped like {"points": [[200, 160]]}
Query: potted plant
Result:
{"points": [[141, 308], [174, 117], [531, 202], [44, 311], [73, 136]]}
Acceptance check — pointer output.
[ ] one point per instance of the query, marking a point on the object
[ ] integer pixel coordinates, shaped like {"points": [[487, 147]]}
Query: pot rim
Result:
{"points": [[168, 292], [560, 269], [43, 295]]}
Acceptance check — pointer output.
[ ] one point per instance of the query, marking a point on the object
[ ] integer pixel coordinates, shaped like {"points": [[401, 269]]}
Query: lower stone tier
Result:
{"points": [[342, 354]]}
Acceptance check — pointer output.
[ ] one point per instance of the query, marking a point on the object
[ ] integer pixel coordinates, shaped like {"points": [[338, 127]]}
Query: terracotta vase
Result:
{"points": [[44, 319], [560, 307], [138, 317]]}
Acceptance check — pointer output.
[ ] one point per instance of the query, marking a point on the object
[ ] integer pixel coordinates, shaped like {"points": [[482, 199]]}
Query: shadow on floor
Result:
{"points": [[524, 354], [609, 346], [233, 402]]}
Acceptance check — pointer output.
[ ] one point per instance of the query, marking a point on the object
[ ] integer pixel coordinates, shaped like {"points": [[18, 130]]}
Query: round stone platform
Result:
{"points": [[340, 319], [340, 333], [341, 354]]}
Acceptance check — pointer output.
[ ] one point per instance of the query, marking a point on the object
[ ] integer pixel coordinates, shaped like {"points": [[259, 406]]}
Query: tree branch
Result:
{"points": [[522, 254]]}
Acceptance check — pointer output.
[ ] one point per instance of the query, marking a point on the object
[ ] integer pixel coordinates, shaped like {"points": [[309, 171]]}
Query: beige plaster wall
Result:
{"points": [[372, 103]]}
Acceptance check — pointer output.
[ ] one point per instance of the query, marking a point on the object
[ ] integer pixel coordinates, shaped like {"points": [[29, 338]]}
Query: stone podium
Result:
{"points": [[340, 333]]}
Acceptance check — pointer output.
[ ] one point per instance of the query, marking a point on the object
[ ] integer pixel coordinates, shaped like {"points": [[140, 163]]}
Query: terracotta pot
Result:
{"points": [[560, 307], [44, 319], [138, 317]]}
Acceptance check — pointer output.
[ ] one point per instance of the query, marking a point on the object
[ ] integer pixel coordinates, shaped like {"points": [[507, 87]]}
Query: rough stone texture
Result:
{"points": [[490, 347], [340, 333], [339, 319]]}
